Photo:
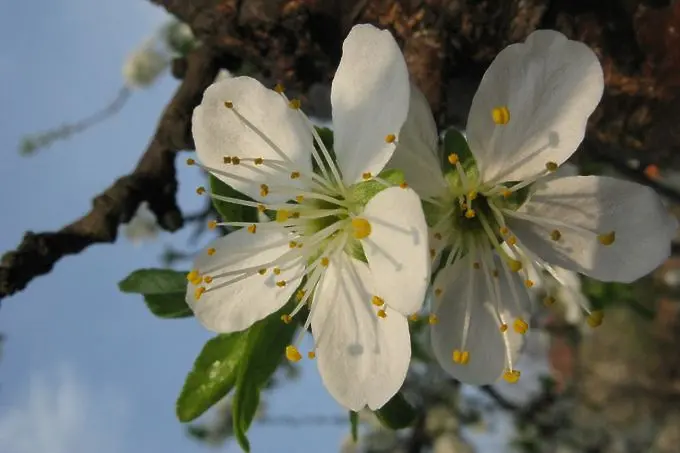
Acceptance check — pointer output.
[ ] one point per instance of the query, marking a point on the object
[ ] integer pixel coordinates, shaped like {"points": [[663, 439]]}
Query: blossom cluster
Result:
{"points": [[360, 236]]}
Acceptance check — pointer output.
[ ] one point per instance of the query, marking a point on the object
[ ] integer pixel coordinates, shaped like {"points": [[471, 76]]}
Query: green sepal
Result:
{"points": [[397, 413], [455, 143], [213, 375], [231, 212], [354, 425], [362, 192]]}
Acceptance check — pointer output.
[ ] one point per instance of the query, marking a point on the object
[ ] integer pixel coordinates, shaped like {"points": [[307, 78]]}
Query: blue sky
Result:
{"points": [[86, 368]]}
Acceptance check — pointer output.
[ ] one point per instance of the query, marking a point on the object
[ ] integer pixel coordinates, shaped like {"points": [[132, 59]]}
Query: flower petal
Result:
{"points": [[485, 343], [580, 208], [363, 359], [370, 97], [220, 131], [550, 86], [416, 152], [397, 248], [235, 307]]}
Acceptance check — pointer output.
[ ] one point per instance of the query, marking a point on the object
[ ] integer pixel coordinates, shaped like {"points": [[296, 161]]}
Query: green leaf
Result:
{"points": [[354, 425], [267, 341], [397, 413], [214, 374], [231, 212], [168, 305], [154, 281]]}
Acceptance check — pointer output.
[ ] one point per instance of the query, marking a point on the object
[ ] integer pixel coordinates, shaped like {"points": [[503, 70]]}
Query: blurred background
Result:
{"points": [[86, 368]]}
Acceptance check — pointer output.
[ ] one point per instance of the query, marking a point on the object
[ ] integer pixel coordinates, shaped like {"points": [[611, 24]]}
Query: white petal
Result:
{"points": [[370, 97], [397, 249], [550, 86], [485, 343], [218, 132], [363, 359], [237, 306], [643, 227], [416, 154]]}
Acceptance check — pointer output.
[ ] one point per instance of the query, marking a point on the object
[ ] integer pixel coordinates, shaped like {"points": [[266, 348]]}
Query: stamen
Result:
{"points": [[595, 318], [607, 238], [293, 354], [511, 376], [432, 319], [377, 301], [382, 314], [361, 228], [500, 115]]}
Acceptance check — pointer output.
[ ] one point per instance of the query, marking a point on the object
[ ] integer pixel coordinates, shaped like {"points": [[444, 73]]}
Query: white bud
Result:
{"points": [[144, 65]]}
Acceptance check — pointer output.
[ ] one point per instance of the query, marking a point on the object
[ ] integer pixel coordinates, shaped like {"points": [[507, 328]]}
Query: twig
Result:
{"points": [[153, 180]]}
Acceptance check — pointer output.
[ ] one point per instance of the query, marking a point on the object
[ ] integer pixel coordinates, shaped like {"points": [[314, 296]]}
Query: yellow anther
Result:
{"points": [[551, 166], [403, 185], [292, 244], [264, 190], [472, 195], [470, 214], [276, 271], [549, 300], [228, 104], [287, 319], [503, 328], [235, 160], [555, 235], [528, 283], [191, 161], [294, 104], [282, 215], [211, 251], [299, 198], [460, 357], [212, 224], [504, 230], [278, 88], [512, 240], [193, 275], [208, 279], [258, 161], [200, 190], [198, 292], [595, 318], [511, 376], [226, 159], [377, 301], [507, 193], [515, 265], [294, 175], [311, 355], [495, 273], [281, 283], [433, 253], [390, 138], [361, 227], [413, 317], [300, 295], [500, 115], [367, 175], [262, 271], [293, 354], [476, 265], [432, 319], [520, 326], [295, 215], [325, 261], [252, 228], [438, 292], [607, 238], [453, 158], [300, 245], [382, 314], [438, 236]]}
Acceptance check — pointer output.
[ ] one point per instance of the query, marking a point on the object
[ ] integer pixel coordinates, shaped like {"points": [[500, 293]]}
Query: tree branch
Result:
{"points": [[153, 180]]}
